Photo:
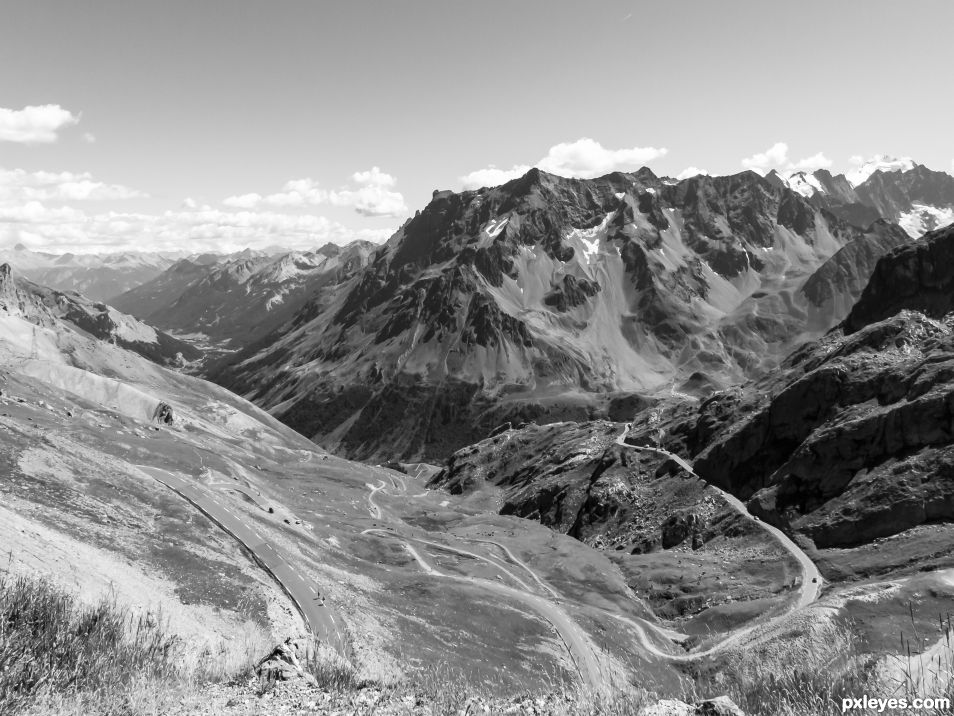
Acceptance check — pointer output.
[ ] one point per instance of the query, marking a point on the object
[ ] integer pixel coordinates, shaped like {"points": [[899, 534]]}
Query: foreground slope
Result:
{"points": [[549, 298]]}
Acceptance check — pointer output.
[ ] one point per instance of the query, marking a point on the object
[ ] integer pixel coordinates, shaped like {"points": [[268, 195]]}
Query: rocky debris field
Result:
{"points": [[300, 697]]}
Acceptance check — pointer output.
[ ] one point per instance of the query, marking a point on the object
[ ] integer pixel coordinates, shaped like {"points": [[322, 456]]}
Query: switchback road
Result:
{"points": [[811, 584]]}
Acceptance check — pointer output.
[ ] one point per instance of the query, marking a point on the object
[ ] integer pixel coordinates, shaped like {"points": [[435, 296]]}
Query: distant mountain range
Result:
{"points": [[899, 190], [96, 276], [241, 298]]}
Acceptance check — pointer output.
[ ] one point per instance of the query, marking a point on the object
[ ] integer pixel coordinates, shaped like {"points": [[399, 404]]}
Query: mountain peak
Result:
{"points": [[330, 250]]}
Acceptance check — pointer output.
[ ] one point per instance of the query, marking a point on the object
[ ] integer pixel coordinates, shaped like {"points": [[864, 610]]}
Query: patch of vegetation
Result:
{"points": [[59, 654], [814, 678]]}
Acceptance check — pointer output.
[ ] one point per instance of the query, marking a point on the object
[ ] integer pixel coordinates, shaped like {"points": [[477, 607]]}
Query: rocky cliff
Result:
{"points": [[48, 307]]}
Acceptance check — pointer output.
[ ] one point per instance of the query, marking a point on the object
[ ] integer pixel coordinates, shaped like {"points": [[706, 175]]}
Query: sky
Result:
{"points": [[224, 124]]}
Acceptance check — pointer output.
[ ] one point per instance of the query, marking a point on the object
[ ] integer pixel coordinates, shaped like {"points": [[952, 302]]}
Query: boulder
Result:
{"points": [[719, 706], [667, 707], [164, 414], [680, 526], [286, 662]]}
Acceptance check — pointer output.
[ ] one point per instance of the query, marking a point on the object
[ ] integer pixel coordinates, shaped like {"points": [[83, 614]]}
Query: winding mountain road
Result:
{"points": [[306, 597], [811, 584]]}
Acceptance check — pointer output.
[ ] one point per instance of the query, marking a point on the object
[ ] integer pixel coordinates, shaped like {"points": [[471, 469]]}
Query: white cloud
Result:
{"points": [[192, 228], [774, 156], [492, 176], [373, 177], [370, 194], [37, 208], [691, 172], [585, 158], [34, 124], [18, 186], [812, 163], [89, 138], [243, 201]]}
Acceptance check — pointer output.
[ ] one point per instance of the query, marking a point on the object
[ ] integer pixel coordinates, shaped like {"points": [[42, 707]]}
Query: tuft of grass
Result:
{"points": [[810, 677], [50, 644], [59, 655]]}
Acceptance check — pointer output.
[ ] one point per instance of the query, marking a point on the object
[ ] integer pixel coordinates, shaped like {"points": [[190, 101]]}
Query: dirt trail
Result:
{"points": [[580, 647], [583, 653]]}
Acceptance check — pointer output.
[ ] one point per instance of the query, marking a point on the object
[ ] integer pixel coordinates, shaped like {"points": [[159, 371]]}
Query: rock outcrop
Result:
{"points": [[286, 662], [47, 307]]}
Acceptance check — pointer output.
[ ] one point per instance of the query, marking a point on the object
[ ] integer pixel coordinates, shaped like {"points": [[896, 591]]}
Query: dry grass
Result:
{"points": [[58, 655], [813, 676]]}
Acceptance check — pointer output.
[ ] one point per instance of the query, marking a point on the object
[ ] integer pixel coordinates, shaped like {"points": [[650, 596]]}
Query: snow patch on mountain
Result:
{"points": [[923, 218], [589, 239], [804, 183], [495, 226]]}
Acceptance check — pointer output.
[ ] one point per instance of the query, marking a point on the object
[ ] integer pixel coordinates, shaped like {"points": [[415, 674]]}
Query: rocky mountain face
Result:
{"points": [[239, 299], [551, 298], [97, 276], [900, 191], [47, 307], [851, 440]]}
